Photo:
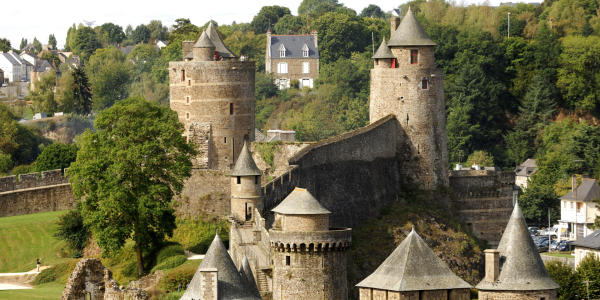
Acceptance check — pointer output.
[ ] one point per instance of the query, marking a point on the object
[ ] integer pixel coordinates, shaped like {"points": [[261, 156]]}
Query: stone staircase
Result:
{"points": [[263, 284]]}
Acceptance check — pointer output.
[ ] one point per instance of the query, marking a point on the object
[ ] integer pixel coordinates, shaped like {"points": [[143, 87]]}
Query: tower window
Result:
{"points": [[182, 75], [189, 82], [414, 57], [231, 108], [424, 84], [225, 140], [287, 260], [187, 116], [256, 179], [187, 100], [393, 63], [239, 180]]}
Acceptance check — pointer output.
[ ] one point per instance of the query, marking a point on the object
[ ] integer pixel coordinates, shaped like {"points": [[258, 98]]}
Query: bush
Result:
{"points": [[130, 269], [170, 263], [56, 156], [72, 230], [59, 272], [589, 269], [23, 169], [197, 234], [5, 162], [177, 277], [169, 251], [565, 277]]}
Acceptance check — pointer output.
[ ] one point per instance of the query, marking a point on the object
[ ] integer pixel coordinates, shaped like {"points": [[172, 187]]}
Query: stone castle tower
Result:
{"points": [[406, 82], [309, 257], [246, 192], [213, 94]]}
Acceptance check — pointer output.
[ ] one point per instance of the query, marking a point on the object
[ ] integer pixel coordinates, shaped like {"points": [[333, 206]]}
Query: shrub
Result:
{"points": [[589, 270], [174, 278], [197, 234], [566, 278], [130, 269], [169, 251], [72, 230], [23, 169], [170, 263], [5, 162], [56, 156]]}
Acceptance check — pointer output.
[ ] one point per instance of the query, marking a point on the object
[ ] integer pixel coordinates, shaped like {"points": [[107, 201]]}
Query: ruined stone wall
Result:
{"points": [[34, 193], [484, 201], [420, 112], [517, 295], [220, 93], [206, 192]]}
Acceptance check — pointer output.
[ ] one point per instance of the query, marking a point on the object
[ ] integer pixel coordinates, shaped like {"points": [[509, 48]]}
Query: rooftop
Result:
{"points": [[216, 40], [293, 45], [591, 241], [410, 33], [245, 165], [300, 202], [588, 190], [383, 51], [527, 168]]}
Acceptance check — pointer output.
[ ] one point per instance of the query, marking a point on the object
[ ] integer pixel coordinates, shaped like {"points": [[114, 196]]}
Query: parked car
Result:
{"points": [[533, 230], [541, 242], [563, 246], [553, 231]]}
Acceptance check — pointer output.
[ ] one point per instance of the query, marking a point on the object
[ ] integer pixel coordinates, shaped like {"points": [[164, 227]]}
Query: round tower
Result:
{"points": [[406, 82], [213, 95], [246, 193], [309, 257]]}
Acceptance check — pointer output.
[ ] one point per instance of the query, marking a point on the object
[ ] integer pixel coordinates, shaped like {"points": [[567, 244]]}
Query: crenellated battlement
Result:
{"points": [[335, 239], [32, 180]]}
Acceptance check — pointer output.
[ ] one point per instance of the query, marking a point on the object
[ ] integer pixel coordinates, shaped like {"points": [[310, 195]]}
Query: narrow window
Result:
{"points": [[187, 116], [393, 63], [189, 82], [239, 180], [182, 75], [305, 67], [187, 99], [305, 53], [414, 57], [406, 119], [282, 53], [231, 108], [225, 140], [256, 179], [424, 83], [287, 260]]}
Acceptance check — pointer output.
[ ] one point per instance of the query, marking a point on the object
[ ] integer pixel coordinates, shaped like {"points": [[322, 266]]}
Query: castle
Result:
{"points": [[288, 242]]}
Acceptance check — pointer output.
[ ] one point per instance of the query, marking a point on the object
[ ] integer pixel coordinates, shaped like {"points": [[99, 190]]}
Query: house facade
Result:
{"points": [[523, 173], [589, 245], [292, 57], [15, 68], [578, 210]]}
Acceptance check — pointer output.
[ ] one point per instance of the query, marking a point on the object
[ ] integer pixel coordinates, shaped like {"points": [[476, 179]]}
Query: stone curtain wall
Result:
{"points": [[512, 295], [484, 201], [34, 193]]}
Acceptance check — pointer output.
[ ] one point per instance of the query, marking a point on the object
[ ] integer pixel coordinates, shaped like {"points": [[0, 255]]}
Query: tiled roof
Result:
{"points": [[383, 51], [216, 40], [591, 241], [410, 33], [300, 202], [587, 191], [245, 165], [293, 46]]}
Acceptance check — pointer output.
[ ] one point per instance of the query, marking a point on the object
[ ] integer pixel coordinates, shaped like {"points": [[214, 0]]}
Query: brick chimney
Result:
{"points": [[394, 22], [492, 265], [316, 35], [208, 284], [574, 186]]}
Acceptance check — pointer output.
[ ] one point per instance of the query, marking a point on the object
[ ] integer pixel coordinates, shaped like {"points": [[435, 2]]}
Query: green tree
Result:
{"points": [[317, 8], [481, 158], [460, 129], [73, 231], [141, 34], [143, 56], [114, 33], [5, 45], [110, 74], [69, 42], [373, 11], [23, 43], [248, 44], [289, 24], [516, 27], [339, 35], [56, 156], [37, 46], [18, 141], [43, 94], [127, 173], [566, 278], [52, 41], [158, 31], [51, 57], [589, 270], [264, 86], [74, 92], [267, 17], [84, 42], [5, 163]]}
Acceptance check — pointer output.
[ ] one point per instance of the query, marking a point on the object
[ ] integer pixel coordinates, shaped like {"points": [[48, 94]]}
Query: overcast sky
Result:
{"points": [[40, 18]]}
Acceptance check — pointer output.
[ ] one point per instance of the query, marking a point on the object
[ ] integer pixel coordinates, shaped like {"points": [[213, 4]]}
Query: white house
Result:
{"points": [[161, 44], [15, 68], [523, 173], [28, 57], [577, 209], [589, 245]]}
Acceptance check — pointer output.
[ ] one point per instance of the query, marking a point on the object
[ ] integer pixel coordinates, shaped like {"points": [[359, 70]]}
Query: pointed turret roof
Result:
{"points": [[413, 267], [521, 267], [410, 33], [383, 51], [216, 40], [246, 271], [204, 41], [245, 165], [300, 202], [231, 284]]}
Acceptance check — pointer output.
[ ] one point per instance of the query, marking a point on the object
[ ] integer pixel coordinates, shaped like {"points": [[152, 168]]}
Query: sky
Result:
{"points": [[40, 18]]}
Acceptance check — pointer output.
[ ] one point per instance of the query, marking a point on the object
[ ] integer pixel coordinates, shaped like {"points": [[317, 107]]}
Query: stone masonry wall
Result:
{"points": [[199, 133], [205, 192], [375, 294], [513, 295], [484, 201], [31, 180], [295, 68], [305, 223]]}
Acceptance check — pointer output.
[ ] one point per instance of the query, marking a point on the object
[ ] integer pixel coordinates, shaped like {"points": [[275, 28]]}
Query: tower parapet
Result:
{"points": [[309, 257]]}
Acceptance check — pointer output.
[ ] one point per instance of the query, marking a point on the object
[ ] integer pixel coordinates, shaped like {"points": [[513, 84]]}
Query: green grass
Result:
{"points": [[27, 237], [559, 254], [51, 290]]}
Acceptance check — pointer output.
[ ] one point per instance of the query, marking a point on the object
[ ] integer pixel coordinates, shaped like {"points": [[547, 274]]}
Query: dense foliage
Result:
{"points": [[56, 156], [580, 283]]}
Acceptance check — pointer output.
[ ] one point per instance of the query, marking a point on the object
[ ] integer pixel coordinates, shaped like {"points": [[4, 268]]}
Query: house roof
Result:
{"points": [[216, 40], [591, 241], [410, 33], [41, 66], [293, 46], [383, 51], [204, 41], [413, 266], [246, 271], [259, 136], [300, 202], [527, 168], [231, 284], [245, 165], [521, 267], [127, 49], [587, 191]]}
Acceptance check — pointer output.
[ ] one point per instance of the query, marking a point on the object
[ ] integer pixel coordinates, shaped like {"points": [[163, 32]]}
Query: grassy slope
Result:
{"points": [[51, 290], [24, 238]]}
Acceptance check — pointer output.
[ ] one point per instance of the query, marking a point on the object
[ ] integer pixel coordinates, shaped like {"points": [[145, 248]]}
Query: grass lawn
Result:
{"points": [[559, 254], [51, 290], [27, 237]]}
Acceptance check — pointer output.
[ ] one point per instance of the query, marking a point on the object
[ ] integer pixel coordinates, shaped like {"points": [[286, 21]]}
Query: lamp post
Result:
{"points": [[509, 24]]}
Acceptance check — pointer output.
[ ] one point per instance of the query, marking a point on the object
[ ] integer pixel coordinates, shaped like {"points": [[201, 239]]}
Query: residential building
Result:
{"points": [[589, 245], [523, 173], [40, 68], [161, 44], [28, 57], [15, 68], [292, 57], [577, 208]]}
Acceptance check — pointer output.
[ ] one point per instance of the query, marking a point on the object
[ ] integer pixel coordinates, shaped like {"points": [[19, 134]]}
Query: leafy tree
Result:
{"points": [[23, 43], [43, 94], [158, 31], [589, 270], [109, 73], [460, 129], [566, 278], [340, 35], [85, 42], [267, 16], [125, 178], [248, 44], [373, 11], [52, 41], [56, 156], [143, 57], [288, 24], [18, 141], [114, 33], [74, 92], [70, 41], [317, 8], [481, 158], [5, 45], [141, 34], [37, 46], [536, 201], [73, 231], [5, 163], [51, 57], [264, 86], [516, 27]]}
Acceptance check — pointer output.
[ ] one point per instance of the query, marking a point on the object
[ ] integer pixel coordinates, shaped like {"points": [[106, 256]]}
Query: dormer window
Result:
{"points": [[305, 51], [282, 51]]}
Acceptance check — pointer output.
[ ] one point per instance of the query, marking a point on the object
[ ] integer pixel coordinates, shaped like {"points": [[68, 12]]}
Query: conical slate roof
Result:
{"points": [[521, 267], [383, 51], [300, 202], [413, 267], [245, 165], [204, 41], [246, 271], [216, 40], [410, 33], [231, 284]]}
